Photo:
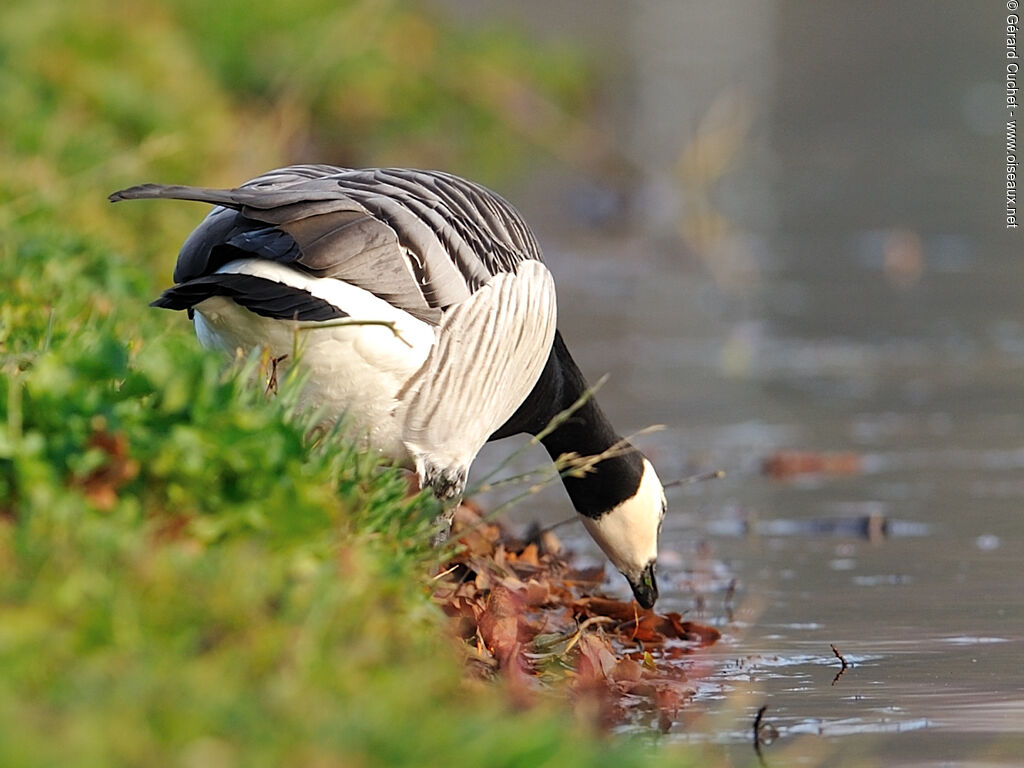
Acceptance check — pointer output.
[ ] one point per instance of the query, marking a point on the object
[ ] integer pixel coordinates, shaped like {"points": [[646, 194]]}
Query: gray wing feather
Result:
{"points": [[489, 353], [365, 252], [422, 240]]}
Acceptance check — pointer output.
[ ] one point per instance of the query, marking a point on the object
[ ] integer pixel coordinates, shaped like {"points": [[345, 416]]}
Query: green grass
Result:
{"points": [[186, 577], [243, 598]]}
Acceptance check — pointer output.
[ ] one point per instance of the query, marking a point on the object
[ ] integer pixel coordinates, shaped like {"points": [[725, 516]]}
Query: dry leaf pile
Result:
{"points": [[526, 613]]}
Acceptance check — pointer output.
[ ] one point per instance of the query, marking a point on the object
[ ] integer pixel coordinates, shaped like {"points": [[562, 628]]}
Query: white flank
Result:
{"points": [[358, 370], [628, 534]]}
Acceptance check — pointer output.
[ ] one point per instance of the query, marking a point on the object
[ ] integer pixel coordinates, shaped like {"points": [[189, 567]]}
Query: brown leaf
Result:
{"points": [[500, 557], [512, 583], [586, 576], [483, 580], [101, 484], [785, 465], [529, 556], [627, 670], [704, 634], [594, 605], [537, 592], [171, 528], [499, 625], [596, 659], [470, 529]]}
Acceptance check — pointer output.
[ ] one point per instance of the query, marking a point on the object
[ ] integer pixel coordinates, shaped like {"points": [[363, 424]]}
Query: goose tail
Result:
{"points": [[226, 197]]}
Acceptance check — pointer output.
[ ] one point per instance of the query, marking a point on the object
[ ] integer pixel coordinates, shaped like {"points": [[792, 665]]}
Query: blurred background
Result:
{"points": [[778, 225]]}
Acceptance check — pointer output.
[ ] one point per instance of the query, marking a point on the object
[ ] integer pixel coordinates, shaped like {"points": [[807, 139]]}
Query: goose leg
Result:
{"points": [[448, 486], [443, 523]]}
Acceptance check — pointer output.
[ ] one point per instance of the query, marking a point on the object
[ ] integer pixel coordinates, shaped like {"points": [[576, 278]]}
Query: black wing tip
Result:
{"points": [[168, 300], [261, 296]]}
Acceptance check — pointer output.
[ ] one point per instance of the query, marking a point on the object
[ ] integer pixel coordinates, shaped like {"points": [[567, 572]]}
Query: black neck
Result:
{"points": [[586, 432]]}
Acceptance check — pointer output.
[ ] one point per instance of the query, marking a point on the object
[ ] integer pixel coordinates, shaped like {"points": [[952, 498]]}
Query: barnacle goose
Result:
{"points": [[462, 348]]}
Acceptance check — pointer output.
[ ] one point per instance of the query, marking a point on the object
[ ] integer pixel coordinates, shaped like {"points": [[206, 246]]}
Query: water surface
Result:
{"points": [[809, 255]]}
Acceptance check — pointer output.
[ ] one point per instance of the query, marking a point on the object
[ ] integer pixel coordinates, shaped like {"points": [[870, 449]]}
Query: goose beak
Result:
{"points": [[645, 588]]}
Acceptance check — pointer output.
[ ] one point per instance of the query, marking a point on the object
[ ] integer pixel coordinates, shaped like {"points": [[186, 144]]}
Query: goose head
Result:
{"points": [[628, 534]]}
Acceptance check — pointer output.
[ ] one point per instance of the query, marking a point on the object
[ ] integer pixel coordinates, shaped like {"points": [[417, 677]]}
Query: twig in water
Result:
{"points": [[713, 475], [559, 524], [842, 659], [764, 733], [730, 597]]}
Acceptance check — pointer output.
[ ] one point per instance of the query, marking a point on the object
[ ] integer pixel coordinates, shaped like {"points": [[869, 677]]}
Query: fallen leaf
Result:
{"points": [[101, 484], [499, 625], [785, 465]]}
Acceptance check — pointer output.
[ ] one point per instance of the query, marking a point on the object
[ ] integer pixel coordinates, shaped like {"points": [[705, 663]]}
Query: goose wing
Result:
{"points": [[421, 240], [436, 246], [489, 353]]}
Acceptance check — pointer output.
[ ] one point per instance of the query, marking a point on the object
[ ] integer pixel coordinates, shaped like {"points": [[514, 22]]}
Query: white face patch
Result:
{"points": [[628, 534]]}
